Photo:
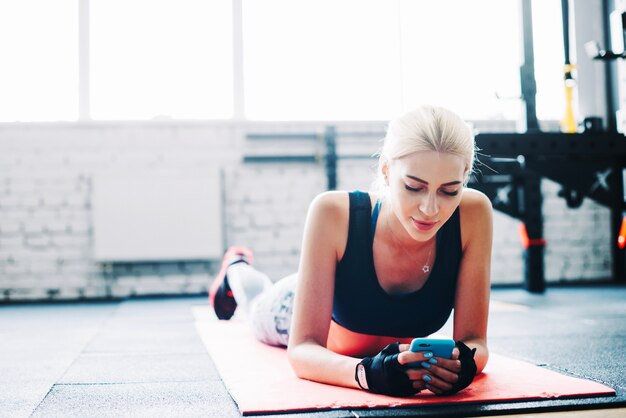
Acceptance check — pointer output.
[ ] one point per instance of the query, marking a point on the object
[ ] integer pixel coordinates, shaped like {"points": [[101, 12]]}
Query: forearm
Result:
{"points": [[482, 352], [313, 362]]}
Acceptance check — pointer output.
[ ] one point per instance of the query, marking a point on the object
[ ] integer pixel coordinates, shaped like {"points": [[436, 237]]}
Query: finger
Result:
{"points": [[452, 365], [444, 374], [455, 353], [414, 357], [436, 382], [404, 347], [435, 390]]}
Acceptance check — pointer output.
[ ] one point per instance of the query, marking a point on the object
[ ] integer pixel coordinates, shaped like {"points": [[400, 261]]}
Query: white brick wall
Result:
{"points": [[45, 209], [507, 265], [578, 239], [266, 209]]}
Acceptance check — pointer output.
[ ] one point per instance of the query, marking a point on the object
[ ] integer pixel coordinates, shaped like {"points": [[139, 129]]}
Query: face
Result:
{"points": [[424, 191]]}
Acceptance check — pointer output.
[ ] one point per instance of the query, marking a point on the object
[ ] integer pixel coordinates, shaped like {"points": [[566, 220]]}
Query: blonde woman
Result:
{"points": [[380, 268]]}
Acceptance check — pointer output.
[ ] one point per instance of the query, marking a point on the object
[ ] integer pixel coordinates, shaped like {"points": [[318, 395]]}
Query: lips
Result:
{"points": [[423, 225]]}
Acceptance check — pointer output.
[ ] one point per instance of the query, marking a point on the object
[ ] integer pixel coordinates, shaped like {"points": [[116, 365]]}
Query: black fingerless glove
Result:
{"points": [[468, 368], [384, 374]]}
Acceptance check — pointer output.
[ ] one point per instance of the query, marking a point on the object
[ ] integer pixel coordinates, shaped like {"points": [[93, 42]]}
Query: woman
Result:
{"points": [[378, 269]]}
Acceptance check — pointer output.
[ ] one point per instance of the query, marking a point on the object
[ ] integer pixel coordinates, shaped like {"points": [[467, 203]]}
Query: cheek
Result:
{"points": [[400, 202], [404, 200]]}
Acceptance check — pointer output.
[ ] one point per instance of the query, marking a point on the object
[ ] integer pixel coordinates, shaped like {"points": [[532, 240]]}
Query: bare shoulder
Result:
{"points": [[332, 204], [476, 215], [475, 201], [330, 212]]}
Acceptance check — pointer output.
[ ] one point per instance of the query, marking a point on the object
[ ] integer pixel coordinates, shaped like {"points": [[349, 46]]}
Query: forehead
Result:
{"points": [[431, 166]]}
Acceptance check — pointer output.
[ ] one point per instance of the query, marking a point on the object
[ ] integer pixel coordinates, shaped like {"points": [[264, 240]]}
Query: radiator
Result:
{"points": [[157, 215]]}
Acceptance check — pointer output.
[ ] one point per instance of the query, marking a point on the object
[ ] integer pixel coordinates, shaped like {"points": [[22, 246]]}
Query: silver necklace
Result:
{"points": [[426, 266]]}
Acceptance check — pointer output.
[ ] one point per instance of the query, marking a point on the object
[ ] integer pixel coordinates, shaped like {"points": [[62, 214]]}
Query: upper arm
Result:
{"points": [[471, 305], [325, 233]]}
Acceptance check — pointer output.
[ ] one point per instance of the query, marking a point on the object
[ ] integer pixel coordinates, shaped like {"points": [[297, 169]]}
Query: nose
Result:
{"points": [[429, 206]]}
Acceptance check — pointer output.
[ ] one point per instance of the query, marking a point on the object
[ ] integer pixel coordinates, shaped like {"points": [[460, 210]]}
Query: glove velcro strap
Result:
{"points": [[385, 375]]}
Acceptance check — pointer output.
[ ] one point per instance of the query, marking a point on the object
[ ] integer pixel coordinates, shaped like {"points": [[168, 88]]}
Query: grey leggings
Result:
{"points": [[270, 313]]}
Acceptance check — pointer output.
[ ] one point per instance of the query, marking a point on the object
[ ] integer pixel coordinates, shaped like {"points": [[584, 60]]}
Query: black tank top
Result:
{"points": [[362, 306]]}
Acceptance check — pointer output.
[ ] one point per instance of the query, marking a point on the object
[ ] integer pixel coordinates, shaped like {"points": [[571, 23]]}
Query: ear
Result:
{"points": [[384, 168]]}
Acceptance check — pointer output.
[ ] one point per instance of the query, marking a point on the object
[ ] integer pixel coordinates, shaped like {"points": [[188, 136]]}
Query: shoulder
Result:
{"points": [[329, 216], [328, 220], [334, 203], [474, 201], [476, 214]]}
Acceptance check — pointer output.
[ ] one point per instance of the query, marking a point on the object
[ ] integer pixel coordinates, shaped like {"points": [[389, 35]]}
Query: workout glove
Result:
{"points": [[385, 375], [468, 368]]}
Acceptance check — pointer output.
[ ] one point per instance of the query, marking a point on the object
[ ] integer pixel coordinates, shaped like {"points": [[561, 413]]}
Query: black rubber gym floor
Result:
{"points": [[143, 357]]}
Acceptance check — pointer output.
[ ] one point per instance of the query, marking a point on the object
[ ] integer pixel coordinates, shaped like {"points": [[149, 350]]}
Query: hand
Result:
{"points": [[436, 374], [440, 375], [385, 375]]}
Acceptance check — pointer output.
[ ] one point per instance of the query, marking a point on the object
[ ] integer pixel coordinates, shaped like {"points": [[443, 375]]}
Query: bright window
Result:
{"points": [[39, 60], [161, 59], [372, 59], [302, 59], [321, 60], [462, 55], [549, 58]]}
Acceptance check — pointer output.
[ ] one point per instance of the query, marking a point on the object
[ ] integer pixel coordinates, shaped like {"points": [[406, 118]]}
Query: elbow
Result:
{"points": [[481, 362], [481, 358], [481, 355], [295, 360], [302, 357]]}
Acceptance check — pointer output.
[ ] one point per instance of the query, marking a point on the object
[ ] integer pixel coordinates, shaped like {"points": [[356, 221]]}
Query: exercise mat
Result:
{"points": [[260, 379]]}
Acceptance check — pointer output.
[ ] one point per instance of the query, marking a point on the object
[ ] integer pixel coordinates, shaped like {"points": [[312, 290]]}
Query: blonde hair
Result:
{"points": [[427, 128]]}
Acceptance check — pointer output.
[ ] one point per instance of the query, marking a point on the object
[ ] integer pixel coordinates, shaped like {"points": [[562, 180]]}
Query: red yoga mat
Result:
{"points": [[260, 379]]}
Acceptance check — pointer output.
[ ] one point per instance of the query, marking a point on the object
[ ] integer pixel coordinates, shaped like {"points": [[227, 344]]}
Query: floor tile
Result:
{"points": [[140, 368], [173, 399]]}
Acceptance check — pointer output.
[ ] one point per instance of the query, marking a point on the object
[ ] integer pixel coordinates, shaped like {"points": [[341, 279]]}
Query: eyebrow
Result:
{"points": [[450, 183]]}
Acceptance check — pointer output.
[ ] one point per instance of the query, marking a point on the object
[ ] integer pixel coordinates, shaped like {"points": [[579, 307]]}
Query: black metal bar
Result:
{"points": [[610, 71], [534, 280], [565, 16], [330, 139], [527, 70], [599, 144], [510, 144], [618, 210]]}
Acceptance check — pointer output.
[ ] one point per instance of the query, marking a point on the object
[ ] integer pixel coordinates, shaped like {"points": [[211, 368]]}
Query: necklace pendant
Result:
{"points": [[426, 268]]}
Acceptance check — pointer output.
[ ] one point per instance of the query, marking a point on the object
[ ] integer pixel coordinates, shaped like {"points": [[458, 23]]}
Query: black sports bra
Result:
{"points": [[361, 305]]}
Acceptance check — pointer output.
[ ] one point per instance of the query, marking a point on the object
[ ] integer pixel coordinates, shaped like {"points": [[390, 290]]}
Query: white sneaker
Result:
{"points": [[247, 283]]}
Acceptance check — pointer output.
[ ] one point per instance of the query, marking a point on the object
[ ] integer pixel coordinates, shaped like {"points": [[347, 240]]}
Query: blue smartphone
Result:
{"points": [[439, 348]]}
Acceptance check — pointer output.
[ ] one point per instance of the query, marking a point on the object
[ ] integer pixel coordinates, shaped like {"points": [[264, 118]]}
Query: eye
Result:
{"points": [[454, 193], [413, 189]]}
